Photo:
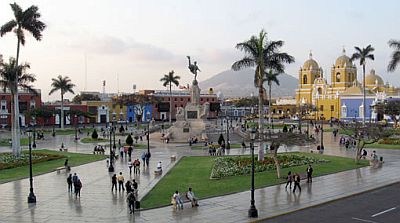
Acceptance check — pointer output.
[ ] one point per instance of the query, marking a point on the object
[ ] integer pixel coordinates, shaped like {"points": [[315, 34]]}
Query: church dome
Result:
{"points": [[354, 90], [343, 60], [372, 79], [310, 64]]}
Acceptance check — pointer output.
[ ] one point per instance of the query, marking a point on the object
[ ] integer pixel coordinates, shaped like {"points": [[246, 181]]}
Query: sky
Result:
{"points": [[129, 42]]}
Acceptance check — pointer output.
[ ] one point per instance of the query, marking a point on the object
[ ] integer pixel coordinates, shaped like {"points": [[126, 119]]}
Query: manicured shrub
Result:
{"points": [[129, 140], [94, 134]]}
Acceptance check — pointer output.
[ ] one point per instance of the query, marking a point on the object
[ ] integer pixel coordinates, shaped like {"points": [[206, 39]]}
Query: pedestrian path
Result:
{"points": [[98, 204]]}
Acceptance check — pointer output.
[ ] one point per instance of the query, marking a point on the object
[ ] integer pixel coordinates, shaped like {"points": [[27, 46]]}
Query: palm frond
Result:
{"points": [[243, 63], [395, 60], [394, 44], [7, 27]]}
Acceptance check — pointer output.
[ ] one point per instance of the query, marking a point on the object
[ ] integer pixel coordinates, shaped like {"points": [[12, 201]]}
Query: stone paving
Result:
{"points": [[98, 204]]}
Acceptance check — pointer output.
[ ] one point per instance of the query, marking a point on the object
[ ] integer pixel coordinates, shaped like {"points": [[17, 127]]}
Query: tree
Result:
{"points": [[129, 140], [170, 79], [85, 97], [390, 108], [64, 85], [94, 134], [395, 57], [27, 20], [364, 134], [270, 77], [262, 54], [12, 77], [42, 113], [362, 55], [221, 139]]}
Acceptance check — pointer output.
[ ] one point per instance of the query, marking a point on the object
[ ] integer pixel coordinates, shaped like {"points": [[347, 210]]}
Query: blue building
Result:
{"points": [[146, 112]]}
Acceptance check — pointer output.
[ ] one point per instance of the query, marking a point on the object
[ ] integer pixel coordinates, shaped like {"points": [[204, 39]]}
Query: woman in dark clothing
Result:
{"points": [[114, 182], [69, 181]]}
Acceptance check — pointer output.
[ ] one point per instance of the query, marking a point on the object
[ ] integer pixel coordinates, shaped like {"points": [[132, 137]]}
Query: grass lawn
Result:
{"points": [[5, 142], [74, 159], [382, 146], [233, 146], [195, 172], [68, 131], [90, 140]]}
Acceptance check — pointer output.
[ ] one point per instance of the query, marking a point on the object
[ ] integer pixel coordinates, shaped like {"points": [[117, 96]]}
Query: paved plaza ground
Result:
{"points": [[98, 204]]}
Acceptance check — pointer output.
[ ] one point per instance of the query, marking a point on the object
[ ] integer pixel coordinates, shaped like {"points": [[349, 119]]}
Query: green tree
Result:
{"points": [[221, 139], [262, 54], [85, 97], [390, 108], [12, 77], [168, 80], [42, 113], [94, 134], [27, 20], [129, 140], [395, 57], [362, 55], [64, 85]]}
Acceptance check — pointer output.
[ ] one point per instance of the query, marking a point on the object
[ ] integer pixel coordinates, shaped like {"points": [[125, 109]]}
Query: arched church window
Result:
{"points": [[338, 77], [305, 79], [319, 91]]}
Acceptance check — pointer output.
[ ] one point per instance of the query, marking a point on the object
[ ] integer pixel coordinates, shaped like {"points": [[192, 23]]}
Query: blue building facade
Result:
{"points": [[351, 108], [147, 113]]}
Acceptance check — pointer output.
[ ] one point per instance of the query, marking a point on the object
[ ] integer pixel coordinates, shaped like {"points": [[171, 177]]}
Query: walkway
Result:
{"points": [[98, 204]]}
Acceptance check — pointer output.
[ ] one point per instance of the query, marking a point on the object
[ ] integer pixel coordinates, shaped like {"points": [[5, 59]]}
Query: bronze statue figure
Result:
{"points": [[193, 68]]}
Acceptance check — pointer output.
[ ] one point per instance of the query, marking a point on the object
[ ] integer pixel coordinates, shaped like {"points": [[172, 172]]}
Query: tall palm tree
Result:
{"points": [[271, 77], [362, 55], [64, 85], [395, 58], [261, 53], [170, 79], [12, 77], [27, 20]]}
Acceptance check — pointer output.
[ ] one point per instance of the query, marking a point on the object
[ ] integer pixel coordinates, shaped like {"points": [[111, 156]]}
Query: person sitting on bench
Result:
{"points": [[191, 197]]}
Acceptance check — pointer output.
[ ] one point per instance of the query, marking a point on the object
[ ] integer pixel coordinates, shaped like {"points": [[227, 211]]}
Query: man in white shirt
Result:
{"points": [[193, 199]]}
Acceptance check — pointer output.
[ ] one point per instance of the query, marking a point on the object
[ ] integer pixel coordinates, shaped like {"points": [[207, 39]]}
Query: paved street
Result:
{"points": [[98, 204], [381, 205]]}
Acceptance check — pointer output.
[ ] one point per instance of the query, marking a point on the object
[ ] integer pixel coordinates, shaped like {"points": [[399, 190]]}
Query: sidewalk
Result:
{"points": [[98, 204]]}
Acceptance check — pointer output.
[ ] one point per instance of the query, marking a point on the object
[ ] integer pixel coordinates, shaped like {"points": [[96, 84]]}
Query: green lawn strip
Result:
{"points": [[90, 140], [382, 146], [68, 131], [233, 146], [6, 142], [74, 159], [195, 172]]}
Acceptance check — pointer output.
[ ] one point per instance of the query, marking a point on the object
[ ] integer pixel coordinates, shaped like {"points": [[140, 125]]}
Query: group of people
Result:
{"points": [[193, 140], [347, 142], [131, 187], [177, 199], [215, 150], [295, 178], [136, 166], [146, 158], [98, 149], [127, 151], [74, 180]]}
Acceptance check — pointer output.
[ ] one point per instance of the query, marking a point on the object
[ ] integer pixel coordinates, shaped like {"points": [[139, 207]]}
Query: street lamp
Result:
{"points": [[34, 132], [76, 127], [148, 138], [253, 213], [31, 196], [111, 167], [322, 133], [54, 132], [228, 145]]}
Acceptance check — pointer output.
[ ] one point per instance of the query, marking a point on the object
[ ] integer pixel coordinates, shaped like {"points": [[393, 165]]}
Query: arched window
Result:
{"points": [[320, 91], [337, 77], [305, 79]]}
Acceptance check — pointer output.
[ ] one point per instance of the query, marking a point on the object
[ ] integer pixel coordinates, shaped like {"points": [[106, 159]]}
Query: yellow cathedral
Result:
{"points": [[319, 100]]}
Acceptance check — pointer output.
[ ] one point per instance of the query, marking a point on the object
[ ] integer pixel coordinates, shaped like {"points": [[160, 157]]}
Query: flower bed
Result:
{"points": [[239, 165], [7, 160], [389, 141]]}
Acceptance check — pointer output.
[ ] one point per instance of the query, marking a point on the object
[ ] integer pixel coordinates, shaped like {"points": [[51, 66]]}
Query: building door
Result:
{"points": [[103, 118]]}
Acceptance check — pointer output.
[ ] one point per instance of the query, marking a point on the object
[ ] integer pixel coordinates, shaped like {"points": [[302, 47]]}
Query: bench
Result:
{"points": [[173, 158], [65, 150], [375, 163], [67, 168], [158, 172], [184, 200]]}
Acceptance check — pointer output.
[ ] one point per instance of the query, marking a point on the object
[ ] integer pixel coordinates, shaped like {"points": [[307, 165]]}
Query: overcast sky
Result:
{"points": [[139, 41]]}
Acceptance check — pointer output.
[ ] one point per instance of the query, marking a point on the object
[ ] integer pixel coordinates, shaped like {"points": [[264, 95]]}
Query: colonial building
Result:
{"points": [[342, 97]]}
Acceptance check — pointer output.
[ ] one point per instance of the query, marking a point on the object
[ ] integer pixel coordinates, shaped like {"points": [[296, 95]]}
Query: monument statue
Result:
{"points": [[193, 68]]}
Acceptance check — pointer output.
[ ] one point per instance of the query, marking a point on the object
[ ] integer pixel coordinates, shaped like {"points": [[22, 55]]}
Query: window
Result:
{"points": [[181, 99], [344, 111], [3, 105], [338, 77], [305, 79], [332, 108], [175, 99], [321, 108]]}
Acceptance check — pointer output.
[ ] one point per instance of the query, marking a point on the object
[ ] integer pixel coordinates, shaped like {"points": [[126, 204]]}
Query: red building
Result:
{"points": [[27, 101], [69, 119]]}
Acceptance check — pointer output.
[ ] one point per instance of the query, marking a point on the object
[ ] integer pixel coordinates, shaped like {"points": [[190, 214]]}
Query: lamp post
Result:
{"points": [[253, 213], [322, 133], [114, 127], [148, 137], [111, 167], [54, 119], [76, 127], [34, 132], [228, 144], [31, 196]]}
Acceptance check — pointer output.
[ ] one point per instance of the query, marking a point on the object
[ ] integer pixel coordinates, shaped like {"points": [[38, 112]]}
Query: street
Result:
{"points": [[377, 206]]}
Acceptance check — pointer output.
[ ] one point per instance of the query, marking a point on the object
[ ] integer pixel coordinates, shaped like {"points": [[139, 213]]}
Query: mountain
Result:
{"points": [[241, 84]]}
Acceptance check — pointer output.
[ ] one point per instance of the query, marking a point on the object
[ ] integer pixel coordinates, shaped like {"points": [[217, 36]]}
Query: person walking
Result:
{"points": [[114, 182], [75, 178], [289, 180], [309, 173], [121, 180], [296, 182], [128, 186], [78, 187], [130, 164], [144, 158], [136, 165], [135, 187], [148, 155], [69, 182], [130, 149], [121, 151], [131, 199]]}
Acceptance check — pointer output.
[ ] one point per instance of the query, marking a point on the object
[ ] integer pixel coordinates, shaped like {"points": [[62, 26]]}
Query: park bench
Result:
{"points": [[67, 168], [173, 158], [158, 172], [184, 200], [376, 163]]}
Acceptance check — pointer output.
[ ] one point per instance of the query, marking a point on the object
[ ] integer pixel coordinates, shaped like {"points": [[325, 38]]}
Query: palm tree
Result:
{"points": [[64, 85], [270, 77], [12, 77], [363, 55], [170, 79], [27, 20], [395, 58], [262, 54]]}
